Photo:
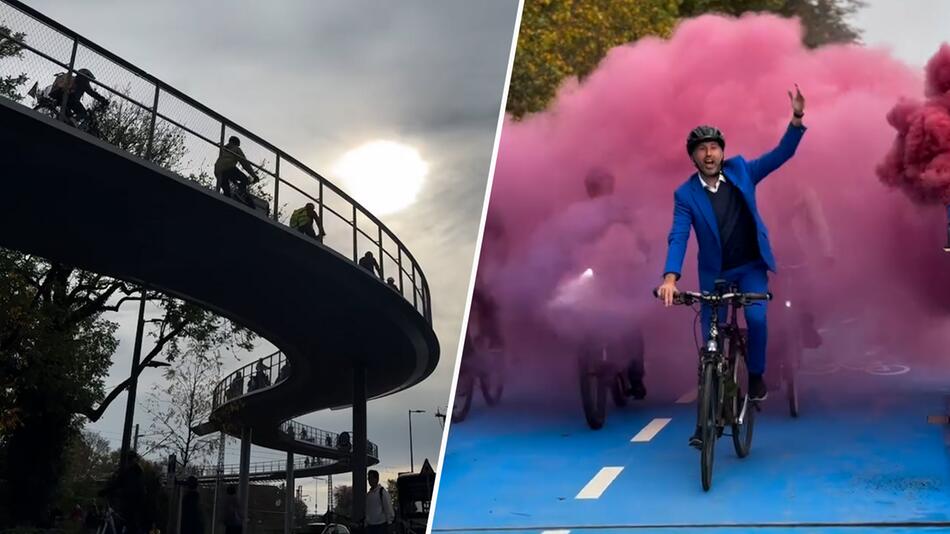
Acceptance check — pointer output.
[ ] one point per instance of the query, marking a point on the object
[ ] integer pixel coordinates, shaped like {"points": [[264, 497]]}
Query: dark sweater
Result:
{"points": [[737, 230]]}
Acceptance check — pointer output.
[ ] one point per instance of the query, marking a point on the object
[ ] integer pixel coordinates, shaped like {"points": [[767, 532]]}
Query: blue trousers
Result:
{"points": [[752, 278]]}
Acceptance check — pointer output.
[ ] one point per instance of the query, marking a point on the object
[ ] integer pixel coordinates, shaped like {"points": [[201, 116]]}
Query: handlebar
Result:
{"points": [[687, 298]]}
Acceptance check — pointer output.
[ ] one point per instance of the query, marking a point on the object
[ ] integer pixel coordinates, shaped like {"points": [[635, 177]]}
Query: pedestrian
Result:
{"points": [[191, 517], [233, 523], [391, 282], [379, 506]]}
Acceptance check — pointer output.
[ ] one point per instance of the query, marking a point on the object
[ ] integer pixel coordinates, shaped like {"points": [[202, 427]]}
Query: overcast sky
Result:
{"points": [[912, 29], [320, 78]]}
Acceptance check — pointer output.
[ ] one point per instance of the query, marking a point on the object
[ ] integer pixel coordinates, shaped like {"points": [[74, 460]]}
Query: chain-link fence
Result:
{"points": [[48, 67]]}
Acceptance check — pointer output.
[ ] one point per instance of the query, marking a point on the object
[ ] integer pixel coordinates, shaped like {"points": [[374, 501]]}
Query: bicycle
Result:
{"points": [[600, 370], [483, 364], [721, 372], [49, 106], [794, 321]]}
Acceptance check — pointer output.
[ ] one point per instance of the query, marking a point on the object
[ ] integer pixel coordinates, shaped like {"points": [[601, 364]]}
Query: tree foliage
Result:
{"points": [[177, 405], [56, 341], [10, 51], [562, 39]]}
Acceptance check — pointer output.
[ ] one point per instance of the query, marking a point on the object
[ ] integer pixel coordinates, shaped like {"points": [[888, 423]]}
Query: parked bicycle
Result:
{"points": [[722, 372]]}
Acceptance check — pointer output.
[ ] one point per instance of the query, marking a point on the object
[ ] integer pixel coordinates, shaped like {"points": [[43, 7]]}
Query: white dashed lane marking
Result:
{"points": [[597, 485], [688, 397], [651, 430]]}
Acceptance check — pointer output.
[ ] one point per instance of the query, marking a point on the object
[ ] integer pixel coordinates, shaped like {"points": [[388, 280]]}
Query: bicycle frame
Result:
{"points": [[714, 352]]}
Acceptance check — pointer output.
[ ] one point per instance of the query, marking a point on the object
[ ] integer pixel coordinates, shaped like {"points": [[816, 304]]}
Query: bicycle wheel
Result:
{"points": [[791, 390], [593, 392], [618, 389], [493, 378], [463, 396], [709, 398], [742, 433]]}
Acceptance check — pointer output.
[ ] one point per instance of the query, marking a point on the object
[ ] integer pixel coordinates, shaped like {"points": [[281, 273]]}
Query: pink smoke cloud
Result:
{"points": [[919, 160], [631, 117]]}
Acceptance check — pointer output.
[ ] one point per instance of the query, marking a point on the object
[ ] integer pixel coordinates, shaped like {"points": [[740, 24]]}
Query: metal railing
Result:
{"points": [[330, 440], [256, 468], [155, 121], [265, 373], [258, 375]]}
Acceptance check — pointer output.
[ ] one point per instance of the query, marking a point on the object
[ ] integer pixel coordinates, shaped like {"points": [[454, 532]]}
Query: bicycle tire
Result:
{"points": [[493, 380], [742, 434], [618, 390], [791, 392], [709, 397], [463, 397], [593, 393]]}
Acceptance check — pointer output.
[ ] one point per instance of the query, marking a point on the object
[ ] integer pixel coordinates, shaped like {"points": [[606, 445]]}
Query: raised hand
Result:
{"points": [[798, 101]]}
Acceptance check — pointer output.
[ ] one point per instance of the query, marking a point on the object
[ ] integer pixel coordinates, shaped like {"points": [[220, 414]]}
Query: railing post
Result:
{"points": [[382, 258], [223, 126], [415, 294], [356, 254], [277, 188], [151, 127], [399, 266], [320, 201], [69, 75]]}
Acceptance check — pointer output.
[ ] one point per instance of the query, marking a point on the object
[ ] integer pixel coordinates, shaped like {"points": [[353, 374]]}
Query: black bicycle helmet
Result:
{"points": [[87, 73], [701, 134]]}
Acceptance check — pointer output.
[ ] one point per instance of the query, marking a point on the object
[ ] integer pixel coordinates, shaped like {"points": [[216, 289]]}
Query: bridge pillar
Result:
{"points": [[289, 497], [358, 460], [245, 474]]}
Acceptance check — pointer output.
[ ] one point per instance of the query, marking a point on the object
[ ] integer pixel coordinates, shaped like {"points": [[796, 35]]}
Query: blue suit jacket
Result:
{"points": [[691, 207]]}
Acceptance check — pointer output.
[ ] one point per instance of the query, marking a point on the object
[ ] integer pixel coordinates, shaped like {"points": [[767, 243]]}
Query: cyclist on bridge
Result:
{"points": [[226, 170], [719, 202], [303, 220], [76, 87]]}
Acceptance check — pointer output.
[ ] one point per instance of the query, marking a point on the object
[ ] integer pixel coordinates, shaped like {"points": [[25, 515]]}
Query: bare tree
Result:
{"points": [[179, 404]]}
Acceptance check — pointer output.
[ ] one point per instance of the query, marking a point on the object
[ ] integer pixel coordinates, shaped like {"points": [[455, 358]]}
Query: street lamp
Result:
{"points": [[412, 466]]}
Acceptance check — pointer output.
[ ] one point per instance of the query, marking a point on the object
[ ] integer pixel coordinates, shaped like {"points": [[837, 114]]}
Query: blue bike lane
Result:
{"points": [[862, 456]]}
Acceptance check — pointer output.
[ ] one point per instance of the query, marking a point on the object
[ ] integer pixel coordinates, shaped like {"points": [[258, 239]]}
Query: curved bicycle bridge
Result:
{"points": [[121, 207]]}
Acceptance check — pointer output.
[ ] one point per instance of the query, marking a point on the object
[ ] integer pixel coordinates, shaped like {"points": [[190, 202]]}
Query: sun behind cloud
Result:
{"points": [[384, 176]]}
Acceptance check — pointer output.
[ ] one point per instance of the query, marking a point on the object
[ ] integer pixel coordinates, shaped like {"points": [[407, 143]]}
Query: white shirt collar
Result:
{"points": [[715, 188]]}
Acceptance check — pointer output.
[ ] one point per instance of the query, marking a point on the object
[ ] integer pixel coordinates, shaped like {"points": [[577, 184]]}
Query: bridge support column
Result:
{"points": [[358, 460], [245, 474], [289, 497]]}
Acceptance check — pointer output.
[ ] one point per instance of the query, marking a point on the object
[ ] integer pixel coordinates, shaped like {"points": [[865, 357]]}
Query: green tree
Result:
{"points": [[56, 342], [825, 21], [9, 50], [343, 500], [561, 39], [178, 404], [89, 461]]}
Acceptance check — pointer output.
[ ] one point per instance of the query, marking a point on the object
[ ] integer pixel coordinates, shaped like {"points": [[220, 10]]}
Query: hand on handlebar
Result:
{"points": [[666, 292]]}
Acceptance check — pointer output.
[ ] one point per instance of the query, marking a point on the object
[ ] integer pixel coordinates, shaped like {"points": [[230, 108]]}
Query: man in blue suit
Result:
{"points": [[719, 203]]}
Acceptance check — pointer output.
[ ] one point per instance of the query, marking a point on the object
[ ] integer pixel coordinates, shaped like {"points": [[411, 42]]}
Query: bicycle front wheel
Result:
{"points": [[709, 399], [464, 390], [742, 411], [593, 392], [493, 378]]}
